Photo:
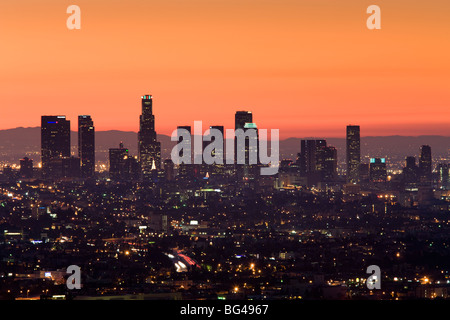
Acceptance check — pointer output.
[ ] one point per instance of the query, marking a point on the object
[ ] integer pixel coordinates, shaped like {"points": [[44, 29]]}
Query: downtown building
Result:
{"points": [[425, 165], [86, 145], [243, 120], [377, 170], [353, 154], [216, 152], [317, 162], [123, 166], [149, 149], [55, 145]]}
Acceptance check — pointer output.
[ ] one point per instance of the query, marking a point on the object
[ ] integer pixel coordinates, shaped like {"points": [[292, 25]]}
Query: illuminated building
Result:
{"points": [[353, 154], [149, 148], [216, 168], [86, 145], [377, 170], [425, 164], [55, 143], [185, 169], [250, 156], [327, 163], [240, 119], [117, 162], [309, 155], [410, 172]]}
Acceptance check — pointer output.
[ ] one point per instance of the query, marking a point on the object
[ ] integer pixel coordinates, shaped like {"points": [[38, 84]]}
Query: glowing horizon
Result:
{"points": [[306, 68]]}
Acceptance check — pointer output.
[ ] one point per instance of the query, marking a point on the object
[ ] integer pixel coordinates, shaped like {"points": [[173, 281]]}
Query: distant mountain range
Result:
{"points": [[19, 142]]}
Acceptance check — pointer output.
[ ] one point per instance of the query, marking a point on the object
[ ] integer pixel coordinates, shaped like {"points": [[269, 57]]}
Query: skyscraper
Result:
{"points": [[185, 169], [241, 118], [326, 160], [377, 170], [425, 164], [86, 145], [309, 155], [216, 152], [55, 143], [148, 147], [117, 162], [410, 172], [222, 145], [353, 154], [251, 150]]}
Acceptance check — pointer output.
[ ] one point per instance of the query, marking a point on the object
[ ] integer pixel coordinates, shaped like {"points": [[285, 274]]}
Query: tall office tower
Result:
{"points": [[86, 145], [55, 144], [353, 154], [251, 150], [221, 148], [240, 119], [377, 170], [132, 168], [118, 163], [327, 163], [410, 171], [309, 153], [148, 147], [425, 164], [26, 168], [444, 176], [185, 169], [216, 152]]}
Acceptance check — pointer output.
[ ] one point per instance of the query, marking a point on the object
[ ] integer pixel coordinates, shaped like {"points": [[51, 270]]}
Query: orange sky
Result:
{"points": [[308, 68]]}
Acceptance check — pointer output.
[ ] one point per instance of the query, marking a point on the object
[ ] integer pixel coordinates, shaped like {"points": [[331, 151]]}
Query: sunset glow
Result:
{"points": [[308, 68]]}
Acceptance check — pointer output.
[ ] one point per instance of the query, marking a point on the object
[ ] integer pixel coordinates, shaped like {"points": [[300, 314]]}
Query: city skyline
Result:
{"points": [[316, 64], [225, 157]]}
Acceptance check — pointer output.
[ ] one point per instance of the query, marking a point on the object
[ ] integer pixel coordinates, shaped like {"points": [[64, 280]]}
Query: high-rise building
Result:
{"points": [[251, 150], [240, 119], [377, 170], [327, 163], [149, 148], [185, 169], [132, 168], [216, 152], [410, 171], [86, 145], [425, 164], [221, 148], [353, 154], [55, 143], [26, 168], [118, 162], [309, 155]]}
